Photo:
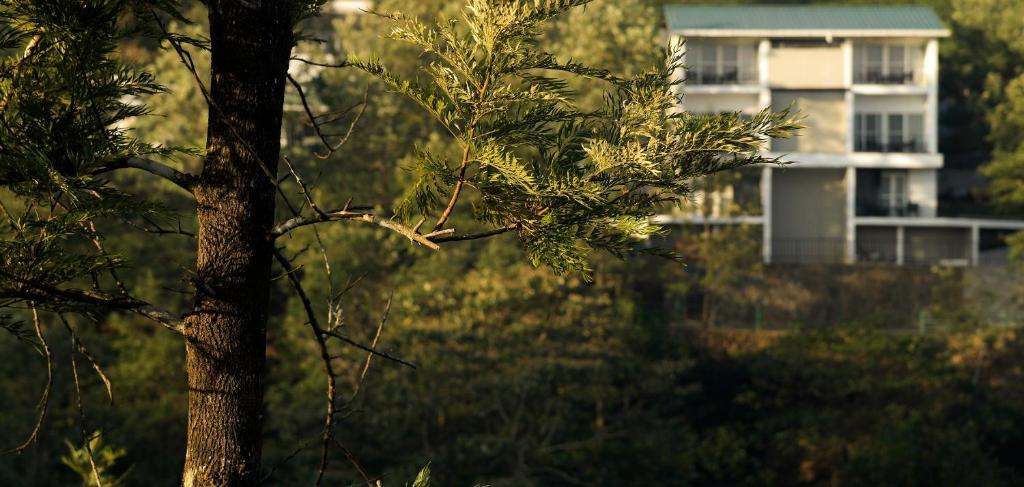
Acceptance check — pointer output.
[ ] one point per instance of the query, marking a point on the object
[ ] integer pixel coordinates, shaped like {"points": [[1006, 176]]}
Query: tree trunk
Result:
{"points": [[225, 333]]}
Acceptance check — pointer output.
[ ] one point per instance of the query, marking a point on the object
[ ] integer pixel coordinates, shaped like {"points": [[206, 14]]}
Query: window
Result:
{"points": [[892, 192], [884, 63], [867, 132], [892, 132], [729, 63], [721, 63]]}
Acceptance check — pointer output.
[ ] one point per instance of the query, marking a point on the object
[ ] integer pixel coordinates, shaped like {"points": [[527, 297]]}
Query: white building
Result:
{"points": [[863, 183]]}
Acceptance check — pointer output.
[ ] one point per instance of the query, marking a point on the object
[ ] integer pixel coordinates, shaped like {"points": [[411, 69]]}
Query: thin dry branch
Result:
{"points": [[81, 421], [82, 349], [339, 336], [373, 345], [318, 126], [318, 335], [343, 215], [343, 64], [44, 400], [180, 179], [472, 236], [40, 292]]}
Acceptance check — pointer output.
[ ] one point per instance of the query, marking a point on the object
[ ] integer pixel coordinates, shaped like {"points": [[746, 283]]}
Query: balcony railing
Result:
{"points": [[878, 77], [808, 250], [881, 209], [868, 144], [731, 76], [917, 251]]}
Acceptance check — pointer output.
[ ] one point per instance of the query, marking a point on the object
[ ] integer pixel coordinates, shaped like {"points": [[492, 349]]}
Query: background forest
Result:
{"points": [[525, 377]]}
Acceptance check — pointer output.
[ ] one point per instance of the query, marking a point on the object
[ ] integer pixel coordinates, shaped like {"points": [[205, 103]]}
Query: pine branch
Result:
{"points": [[45, 294], [180, 179]]}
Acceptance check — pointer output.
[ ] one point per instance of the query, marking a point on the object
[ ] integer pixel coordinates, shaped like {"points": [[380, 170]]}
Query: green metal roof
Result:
{"points": [[801, 17]]}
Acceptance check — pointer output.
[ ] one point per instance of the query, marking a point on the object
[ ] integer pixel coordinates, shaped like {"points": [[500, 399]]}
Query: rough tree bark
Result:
{"points": [[225, 331]]}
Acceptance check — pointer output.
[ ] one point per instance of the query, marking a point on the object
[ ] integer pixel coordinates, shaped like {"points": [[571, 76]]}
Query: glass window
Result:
{"points": [[895, 142], [872, 132], [708, 63], [730, 63], [867, 132], [892, 192], [897, 63], [915, 132], [873, 62]]}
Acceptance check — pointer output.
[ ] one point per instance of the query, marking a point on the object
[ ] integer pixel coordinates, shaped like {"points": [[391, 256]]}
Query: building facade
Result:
{"points": [[861, 185]]}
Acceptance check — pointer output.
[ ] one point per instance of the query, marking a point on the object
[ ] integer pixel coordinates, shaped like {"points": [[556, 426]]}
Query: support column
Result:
{"points": [[975, 245], [763, 51], [849, 99], [851, 214], [766, 214], [847, 48], [901, 246], [931, 80]]}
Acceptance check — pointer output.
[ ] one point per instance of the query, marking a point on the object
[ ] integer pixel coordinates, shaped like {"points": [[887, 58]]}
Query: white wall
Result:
{"points": [[707, 103], [889, 104], [806, 67], [923, 189]]}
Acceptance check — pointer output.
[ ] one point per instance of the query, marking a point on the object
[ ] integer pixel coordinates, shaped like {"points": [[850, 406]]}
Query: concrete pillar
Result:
{"points": [[901, 246], [931, 79], [851, 215], [766, 214], [763, 51], [847, 48], [975, 245]]}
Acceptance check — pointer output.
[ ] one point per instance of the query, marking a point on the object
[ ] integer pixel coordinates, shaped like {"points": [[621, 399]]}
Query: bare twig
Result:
{"points": [[302, 187], [81, 348], [373, 345], [81, 422], [342, 215], [286, 459], [318, 125], [44, 400], [355, 463], [339, 336], [322, 65], [318, 335], [473, 236]]}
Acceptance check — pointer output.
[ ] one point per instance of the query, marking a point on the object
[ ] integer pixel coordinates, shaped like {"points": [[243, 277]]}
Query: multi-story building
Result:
{"points": [[862, 185]]}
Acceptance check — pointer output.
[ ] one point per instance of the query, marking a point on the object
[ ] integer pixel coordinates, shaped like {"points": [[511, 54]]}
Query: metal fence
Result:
{"points": [[917, 251]]}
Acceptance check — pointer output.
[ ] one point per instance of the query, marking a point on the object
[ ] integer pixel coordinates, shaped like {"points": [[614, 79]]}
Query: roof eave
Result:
{"points": [[926, 33]]}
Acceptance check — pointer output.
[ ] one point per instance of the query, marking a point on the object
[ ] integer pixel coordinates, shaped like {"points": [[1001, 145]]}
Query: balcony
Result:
{"points": [[889, 132], [881, 78], [881, 208], [716, 75], [887, 63], [721, 63], [875, 144]]}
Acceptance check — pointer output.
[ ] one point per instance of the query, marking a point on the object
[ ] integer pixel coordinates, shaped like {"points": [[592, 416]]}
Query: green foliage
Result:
{"points": [[564, 178], [66, 100], [422, 478], [103, 456]]}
